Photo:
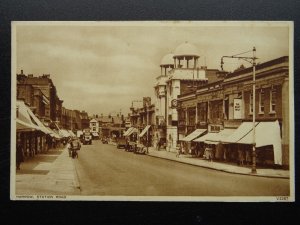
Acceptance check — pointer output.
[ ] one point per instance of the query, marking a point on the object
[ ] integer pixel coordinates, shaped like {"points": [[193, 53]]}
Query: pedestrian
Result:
{"points": [[19, 156], [179, 149], [69, 146], [248, 157], [241, 157], [158, 145]]}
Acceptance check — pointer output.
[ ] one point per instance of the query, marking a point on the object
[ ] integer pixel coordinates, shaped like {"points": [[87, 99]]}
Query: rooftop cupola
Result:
{"points": [[186, 56], [167, 63]]}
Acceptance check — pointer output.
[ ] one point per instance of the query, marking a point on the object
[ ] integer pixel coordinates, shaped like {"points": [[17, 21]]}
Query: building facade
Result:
{"points": [[180, 74], [228, 103], [41, 95], [144, 120]]}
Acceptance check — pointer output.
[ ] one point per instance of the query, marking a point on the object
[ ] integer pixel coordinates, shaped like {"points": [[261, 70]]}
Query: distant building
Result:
{"points": [[41, 95], [143, 119]]}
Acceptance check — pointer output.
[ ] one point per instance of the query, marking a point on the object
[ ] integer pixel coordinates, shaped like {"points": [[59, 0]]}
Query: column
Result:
{"points": [[186, 119], [196, 116]]}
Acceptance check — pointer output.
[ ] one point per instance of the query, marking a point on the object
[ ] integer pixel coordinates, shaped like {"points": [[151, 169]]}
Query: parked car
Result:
{"points": [[140, 149], [121, 142], [104, 140]]}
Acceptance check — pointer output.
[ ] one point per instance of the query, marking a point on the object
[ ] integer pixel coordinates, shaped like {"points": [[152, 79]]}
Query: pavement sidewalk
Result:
{"points": [[51, 173], [188, 159]]}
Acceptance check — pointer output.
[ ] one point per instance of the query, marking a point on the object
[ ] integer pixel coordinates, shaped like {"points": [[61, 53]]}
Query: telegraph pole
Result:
{"points": [[252, 61]]}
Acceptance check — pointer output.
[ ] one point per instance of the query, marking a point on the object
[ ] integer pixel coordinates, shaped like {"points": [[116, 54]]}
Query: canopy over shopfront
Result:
{"points": [[71, 133], [195, 134], [144, 131], [205, 138], [266, 133], [22, 126], [56, 134], [38, 122], [64, 133], [130, 131], [79, 133], [27, 121], [240, 132], [219, 137], [127, 131]]}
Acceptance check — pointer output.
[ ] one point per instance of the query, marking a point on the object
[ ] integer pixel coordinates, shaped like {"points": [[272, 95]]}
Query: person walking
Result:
{"points": [[241, 157], [248, 157], [19, 156], [179, 149], [69, 147]]}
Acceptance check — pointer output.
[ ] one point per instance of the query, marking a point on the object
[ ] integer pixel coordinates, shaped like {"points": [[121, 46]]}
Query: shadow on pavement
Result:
{"points": [[36, 172], [27, 167]]}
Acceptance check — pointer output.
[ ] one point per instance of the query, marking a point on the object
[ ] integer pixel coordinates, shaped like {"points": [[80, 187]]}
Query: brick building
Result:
{"points": [[41, 95], [227, 105]]}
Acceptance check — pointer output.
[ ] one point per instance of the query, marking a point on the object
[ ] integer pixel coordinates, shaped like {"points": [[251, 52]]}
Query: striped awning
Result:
{"points": [[144, 131], [196, 133]]}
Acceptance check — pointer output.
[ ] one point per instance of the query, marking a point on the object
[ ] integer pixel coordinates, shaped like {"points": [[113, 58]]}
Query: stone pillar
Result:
{"points": [[186, 120], [196, 116], [285, 123]]}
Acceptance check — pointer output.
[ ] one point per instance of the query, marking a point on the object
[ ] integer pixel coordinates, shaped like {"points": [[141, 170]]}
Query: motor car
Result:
{"points": [[140, 149], [121, 142], [104, 140], [87, 139]]}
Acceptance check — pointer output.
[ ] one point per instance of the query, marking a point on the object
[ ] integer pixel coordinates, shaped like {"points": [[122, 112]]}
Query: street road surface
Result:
{"points": [[104, 170]]}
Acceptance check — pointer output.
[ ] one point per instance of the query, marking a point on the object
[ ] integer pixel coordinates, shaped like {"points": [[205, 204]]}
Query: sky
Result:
{"points": [[101, 67]]}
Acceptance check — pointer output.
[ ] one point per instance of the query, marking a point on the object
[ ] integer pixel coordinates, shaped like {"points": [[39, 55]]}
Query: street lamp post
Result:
{"points": [[251, 60]]}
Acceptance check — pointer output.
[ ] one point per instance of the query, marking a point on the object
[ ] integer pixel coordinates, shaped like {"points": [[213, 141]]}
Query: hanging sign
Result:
{"points": [[237, 108]]}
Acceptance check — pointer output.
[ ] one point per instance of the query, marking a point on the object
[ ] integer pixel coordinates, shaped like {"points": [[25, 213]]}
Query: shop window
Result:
{"points": [[216, 109], [191, 116], [273, 100], [202, 112], [261, 101]]}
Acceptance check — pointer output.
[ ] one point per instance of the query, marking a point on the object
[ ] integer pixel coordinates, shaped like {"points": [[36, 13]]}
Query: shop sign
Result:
{"points": [[237, 108]]}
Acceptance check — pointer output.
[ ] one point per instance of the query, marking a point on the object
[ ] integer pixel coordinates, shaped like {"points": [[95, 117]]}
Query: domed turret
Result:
{"points": [[167, 60], [186, 52], [167, 63]]}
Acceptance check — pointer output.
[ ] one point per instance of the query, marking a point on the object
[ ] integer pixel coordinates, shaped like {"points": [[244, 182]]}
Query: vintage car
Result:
{"points": [[121, 142], [104, 140]]}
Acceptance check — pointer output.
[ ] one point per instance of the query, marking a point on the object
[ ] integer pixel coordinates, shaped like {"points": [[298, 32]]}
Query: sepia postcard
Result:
{"points": [[191, 111]]}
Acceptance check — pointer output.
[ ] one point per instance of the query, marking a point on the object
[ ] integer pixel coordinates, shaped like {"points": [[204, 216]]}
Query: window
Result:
{"points": [[251, 104], [191, 116], [202, 112], [261, 101], [273, 100], [216, 110]]}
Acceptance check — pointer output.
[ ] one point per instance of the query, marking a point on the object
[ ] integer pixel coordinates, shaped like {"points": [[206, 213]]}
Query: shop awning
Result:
{"points": [[144, 131], [64, 133], [240, 132], [206, 137], [56, 134], [22, 126], [266, 133], [127, 131], [134, 130], [196, 133], [71, 133], [95, 134], [79, 133], [25, 117], [45, 100], [219, 137]]}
